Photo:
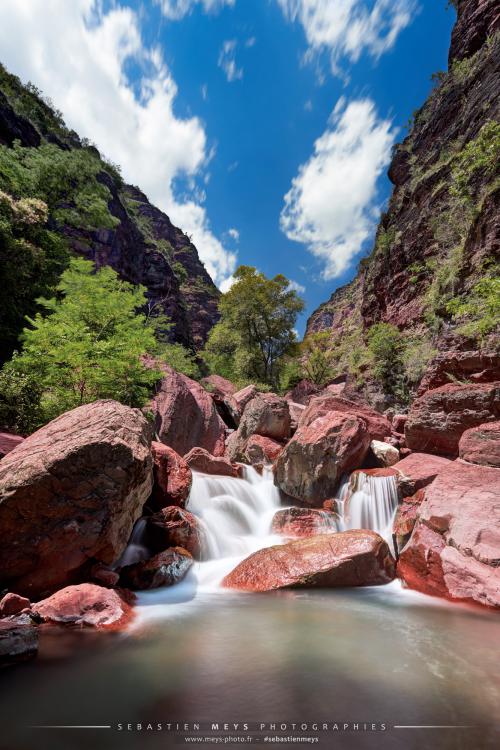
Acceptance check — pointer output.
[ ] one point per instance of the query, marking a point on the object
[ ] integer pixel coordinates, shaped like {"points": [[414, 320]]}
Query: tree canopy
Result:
{"points": [[256, 329]]}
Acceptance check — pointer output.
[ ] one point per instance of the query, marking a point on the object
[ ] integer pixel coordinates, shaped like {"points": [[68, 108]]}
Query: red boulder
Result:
{"points": [[185, 415], [350, 558], [417, 471], [165, 569], [310, 466], [86, 604], [172, 477], [377, 425], [13, 604], [201, 460], [70, 494], [481, 445], [176, 527], [299, 522], [262, 450], [438, 419], [455, 546]]}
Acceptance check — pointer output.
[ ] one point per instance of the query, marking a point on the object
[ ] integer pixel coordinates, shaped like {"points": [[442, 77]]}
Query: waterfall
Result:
{"points": [[136, 549], [368, 502]]}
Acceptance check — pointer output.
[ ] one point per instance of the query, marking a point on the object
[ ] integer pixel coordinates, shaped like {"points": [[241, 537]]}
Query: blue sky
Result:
{"points": [[215, 108]]}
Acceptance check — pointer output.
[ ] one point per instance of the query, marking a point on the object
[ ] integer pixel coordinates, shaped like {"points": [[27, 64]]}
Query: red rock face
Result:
{"points": [[13, 604], [165, 569], [351, 558], [186, 417], [176, 527], [172, 477], [310, 466], [201, 460], [438, 419], [477, 20], [262, 450], [18, 642], [86, 604], [70, 494], [407, 514], [302, 522], [455, 546], [478, 367], [481, 445], [377, 425], [417, 471], [8, 442]]}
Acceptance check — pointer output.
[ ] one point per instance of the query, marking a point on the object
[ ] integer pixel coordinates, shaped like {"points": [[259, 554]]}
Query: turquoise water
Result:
{"points": [[365, 655]]}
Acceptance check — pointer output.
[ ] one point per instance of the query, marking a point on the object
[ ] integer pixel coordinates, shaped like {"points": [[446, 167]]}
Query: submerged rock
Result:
{"points": [[18, 642], [438, 418], [172, 477], [299, 522], [86, 604], [70, 494], [454, 550], [165, 569], [350, 558], [312, 463], [481, 445]]}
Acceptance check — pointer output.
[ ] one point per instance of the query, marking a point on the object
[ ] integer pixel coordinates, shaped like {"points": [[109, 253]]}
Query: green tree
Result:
{"points": [[31, 261], [317, 357], [386, 344], [90, 343], [255, 332]]}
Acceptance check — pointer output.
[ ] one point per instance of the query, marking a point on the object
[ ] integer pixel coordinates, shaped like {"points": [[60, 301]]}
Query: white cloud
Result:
{"points": [[234, 234], [345, 28], [300, 288], [250, 42], [204, 92], [227, 60], [308, 105], [227, 284], [332, 204], [177, 9], [78, 55]]}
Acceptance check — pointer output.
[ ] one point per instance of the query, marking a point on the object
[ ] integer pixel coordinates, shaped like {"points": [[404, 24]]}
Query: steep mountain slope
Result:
{"points": [[441, 233], [136, 238]]}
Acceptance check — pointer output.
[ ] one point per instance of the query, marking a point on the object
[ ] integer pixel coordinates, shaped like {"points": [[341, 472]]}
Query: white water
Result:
{"points": [[368, 502], [236, 515]]}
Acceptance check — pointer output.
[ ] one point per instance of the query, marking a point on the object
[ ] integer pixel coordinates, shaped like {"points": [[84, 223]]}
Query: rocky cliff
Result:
{"points": [[440, 235], [142, 245]]}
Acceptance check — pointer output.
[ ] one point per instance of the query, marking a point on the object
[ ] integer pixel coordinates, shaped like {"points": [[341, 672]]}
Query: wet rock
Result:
{"points": [[302, 522], [8, 442], [438, 419], [454, 549], [177, 527], [312, 463], [70, 494], [377, 425], [186, 417], [385, 453], [481, 445], [407, 515], [13, 604], [18, 642], [201, 460], [172, 477], [417, 470], [165, 569], [350, 558], [262, 450], [86, 604]]}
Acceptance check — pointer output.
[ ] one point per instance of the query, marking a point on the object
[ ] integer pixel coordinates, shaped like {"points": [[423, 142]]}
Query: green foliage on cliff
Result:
{"points": [[478, 312], [31, 261], [479, 158], [255, 332], [88, 346]]}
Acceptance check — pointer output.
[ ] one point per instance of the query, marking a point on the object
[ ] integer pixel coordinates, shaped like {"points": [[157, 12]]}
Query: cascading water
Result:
{"points": [[368, 502]]}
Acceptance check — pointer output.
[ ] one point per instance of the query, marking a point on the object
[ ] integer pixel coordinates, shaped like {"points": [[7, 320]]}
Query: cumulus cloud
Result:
{"points": [[296, 287], [227, 60], [332, 204], [177, 9], [79, 56], [346, 28], [234, 234]]}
